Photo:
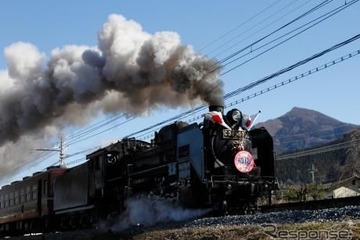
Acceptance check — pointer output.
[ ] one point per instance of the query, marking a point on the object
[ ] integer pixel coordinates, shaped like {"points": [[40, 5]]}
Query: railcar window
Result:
{"points": [[28, 194], [6, 200], [11, 199], [22, 195], [45, 187], [17, 199], [1, 201], [98, 162], [34, 192]]}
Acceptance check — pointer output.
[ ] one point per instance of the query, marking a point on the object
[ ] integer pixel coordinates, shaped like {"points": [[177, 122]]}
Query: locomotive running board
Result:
{"points": [[74, 209]]}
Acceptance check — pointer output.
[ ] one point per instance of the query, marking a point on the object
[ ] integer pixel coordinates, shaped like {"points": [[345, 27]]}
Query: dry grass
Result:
{"points": [[255, 232], [231, 232], [207, 233]]}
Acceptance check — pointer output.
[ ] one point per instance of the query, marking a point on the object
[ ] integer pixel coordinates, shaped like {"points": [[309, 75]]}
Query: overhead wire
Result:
{"points": [[316, 21], [103, 131], [90, 129], [256, 94], [252, 27], [224, 60], [262, 28], [320, 19], [239, 25], [258, 30], [297, 77], [291, 67], [324, 149]]}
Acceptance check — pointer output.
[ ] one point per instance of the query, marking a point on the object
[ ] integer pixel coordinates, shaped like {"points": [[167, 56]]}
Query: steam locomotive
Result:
{"points": [[219, 163]]}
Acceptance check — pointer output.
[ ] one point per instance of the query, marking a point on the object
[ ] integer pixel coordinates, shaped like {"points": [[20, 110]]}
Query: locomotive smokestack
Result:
{"points": [[216, 108]]}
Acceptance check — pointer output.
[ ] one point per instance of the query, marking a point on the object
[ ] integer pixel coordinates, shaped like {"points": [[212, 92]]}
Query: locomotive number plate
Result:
{"points": [[233, 134]]}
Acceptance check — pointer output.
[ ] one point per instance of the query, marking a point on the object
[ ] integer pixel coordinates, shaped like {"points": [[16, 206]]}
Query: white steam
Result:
{"points": [[149, 211], [130, 71]]}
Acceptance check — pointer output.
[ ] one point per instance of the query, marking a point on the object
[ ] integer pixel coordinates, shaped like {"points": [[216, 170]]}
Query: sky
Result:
{"points": [[247, 38]]}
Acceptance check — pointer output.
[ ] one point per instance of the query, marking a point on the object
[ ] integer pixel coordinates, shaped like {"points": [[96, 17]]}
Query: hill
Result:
{"points": [[302, 128]]}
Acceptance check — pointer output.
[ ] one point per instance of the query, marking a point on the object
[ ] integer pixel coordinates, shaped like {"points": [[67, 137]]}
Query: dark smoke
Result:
{"points": [[130, 71]]}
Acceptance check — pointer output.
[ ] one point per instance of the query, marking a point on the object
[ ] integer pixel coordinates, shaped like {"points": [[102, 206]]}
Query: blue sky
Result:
{"points": [[216, 29]]}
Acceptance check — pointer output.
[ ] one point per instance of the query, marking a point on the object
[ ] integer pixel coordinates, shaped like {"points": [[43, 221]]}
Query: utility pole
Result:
{"points": [[60, 150], [312, 171], [61, 153]]}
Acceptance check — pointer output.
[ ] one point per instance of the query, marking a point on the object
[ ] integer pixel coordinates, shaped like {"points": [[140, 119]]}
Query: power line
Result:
{"points": [[320, 19], [251, 27], [224, 60], [238, 26], [262, 28], [318, 150], [103, 131], [94, 127], [293, 79], [256, 94], [291, 67], [311, 24]]}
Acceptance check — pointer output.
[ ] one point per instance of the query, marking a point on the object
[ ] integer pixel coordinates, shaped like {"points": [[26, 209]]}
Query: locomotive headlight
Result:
{"points": [[236, 115], [244, 161]]}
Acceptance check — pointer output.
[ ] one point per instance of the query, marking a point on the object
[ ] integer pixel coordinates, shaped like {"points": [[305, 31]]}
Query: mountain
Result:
{"points": [[302, 128], [305, 129]]}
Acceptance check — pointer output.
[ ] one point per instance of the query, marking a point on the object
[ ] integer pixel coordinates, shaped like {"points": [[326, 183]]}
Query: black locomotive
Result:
{"points": [[218, 163]]}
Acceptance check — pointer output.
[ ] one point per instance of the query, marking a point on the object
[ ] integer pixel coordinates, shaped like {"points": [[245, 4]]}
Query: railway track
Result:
{"points": [[266, 214], [313, 205]]}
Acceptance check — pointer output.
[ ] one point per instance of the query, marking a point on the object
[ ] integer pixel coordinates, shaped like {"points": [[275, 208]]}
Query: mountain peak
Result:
{"points": [[302, 128], [310, 116]]}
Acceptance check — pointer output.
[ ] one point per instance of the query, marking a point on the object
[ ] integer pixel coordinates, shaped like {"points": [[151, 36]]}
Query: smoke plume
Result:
{"points": [[130, 71]]}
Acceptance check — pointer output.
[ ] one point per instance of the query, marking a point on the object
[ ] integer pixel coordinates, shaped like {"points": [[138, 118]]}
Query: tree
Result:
{"points": [[294, 193], [315, 191]]}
